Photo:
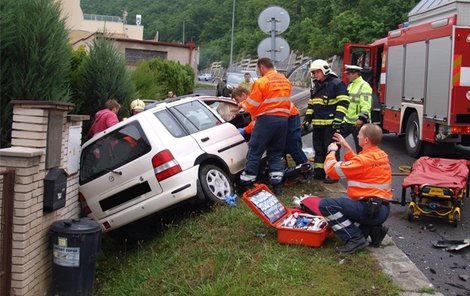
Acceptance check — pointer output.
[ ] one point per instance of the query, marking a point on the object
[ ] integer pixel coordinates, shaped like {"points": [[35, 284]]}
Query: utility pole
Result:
{"points": [[231, 40], [183, 32]]}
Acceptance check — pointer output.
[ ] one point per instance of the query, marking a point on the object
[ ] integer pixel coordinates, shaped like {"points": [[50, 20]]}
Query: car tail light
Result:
{"points": [[85, 208], [106, 225], [165, 165]]}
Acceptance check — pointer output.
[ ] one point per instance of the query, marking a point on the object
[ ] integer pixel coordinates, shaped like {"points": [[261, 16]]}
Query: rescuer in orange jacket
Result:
{"points": [[268, 104], [369, 178], [293, 137]]}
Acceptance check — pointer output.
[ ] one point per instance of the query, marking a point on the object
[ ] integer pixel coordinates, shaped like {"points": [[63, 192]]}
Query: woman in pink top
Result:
{"points": [[105, 118]]}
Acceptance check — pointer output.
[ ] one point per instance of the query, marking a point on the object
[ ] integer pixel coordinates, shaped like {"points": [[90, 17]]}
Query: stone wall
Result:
{"points": [[31, 255]]}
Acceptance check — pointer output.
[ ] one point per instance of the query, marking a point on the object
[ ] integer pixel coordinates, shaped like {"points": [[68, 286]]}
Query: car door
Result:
{"points": [[213, 135]]}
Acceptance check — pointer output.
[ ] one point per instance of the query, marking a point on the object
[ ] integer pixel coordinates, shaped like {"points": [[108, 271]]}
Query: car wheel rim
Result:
{"points": [[218, 184]]}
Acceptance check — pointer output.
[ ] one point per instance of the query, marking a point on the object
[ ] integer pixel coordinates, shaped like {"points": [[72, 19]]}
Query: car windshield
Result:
{"points": [[113, 150], [235, 78]]}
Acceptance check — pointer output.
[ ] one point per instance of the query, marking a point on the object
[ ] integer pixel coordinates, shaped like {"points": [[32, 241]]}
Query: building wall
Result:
{"points": [[184, 54], [128, 31], [31, 256], [73, 13]]}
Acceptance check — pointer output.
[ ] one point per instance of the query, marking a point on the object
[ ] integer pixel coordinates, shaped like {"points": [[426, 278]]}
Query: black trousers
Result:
{"points": [[349, 129], [322, 137]]}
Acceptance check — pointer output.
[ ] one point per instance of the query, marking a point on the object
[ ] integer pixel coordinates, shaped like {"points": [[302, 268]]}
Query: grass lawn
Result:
{"points": [[221, 250]]}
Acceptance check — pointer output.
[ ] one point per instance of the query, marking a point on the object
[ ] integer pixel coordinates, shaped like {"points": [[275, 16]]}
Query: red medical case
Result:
{"points": [[275, 214]]}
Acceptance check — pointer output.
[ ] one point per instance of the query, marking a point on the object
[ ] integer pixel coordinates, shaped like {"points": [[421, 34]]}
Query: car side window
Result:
{"points": [[195, 116], [113, 151], [170, 123]]}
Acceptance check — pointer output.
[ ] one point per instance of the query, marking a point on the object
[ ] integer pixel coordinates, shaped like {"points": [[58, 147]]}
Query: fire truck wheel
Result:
{"points": [[215, 183], [414, 146]]}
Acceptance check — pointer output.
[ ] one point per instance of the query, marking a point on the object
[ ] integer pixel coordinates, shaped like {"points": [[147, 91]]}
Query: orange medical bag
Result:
{"points": [[274, 214]]}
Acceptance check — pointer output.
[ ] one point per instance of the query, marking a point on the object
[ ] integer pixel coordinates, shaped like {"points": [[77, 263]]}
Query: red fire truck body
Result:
{"points": [[420, 74]]}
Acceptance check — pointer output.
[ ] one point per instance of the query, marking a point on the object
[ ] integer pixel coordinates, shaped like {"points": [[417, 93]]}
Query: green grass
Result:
{"points": [[230, 251]]}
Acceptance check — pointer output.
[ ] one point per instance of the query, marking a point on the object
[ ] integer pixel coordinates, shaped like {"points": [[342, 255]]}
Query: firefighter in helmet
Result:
{"points": [[359, 109], [327, 106], [137, 106]]}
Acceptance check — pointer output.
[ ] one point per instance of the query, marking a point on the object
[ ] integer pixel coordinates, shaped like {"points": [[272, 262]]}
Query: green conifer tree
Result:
{"points": [[34, 55], [104, 77]]}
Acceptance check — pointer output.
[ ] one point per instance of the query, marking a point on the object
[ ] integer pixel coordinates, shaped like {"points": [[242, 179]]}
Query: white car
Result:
{"points": [[205, 77], [158, 158]]}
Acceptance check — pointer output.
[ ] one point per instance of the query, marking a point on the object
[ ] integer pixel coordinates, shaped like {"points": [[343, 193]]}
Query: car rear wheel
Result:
{"points": [[215, 183]]}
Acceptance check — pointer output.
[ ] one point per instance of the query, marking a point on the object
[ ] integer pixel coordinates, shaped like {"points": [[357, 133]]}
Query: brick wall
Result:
{"points": [[31, 257]]}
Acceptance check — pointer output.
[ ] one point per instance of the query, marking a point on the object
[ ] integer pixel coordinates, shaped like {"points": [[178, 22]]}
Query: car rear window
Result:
{"points": [[112, 151]]}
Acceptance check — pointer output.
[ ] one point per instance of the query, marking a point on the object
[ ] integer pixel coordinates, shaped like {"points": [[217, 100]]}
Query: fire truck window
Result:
{"points": [[360, 57]]}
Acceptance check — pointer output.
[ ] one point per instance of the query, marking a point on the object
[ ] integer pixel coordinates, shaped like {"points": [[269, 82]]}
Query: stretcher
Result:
{"points": [[437, 188]]}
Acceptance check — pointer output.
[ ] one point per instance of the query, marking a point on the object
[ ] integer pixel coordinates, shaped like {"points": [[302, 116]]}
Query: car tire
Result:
{"points": [[215, 183]]}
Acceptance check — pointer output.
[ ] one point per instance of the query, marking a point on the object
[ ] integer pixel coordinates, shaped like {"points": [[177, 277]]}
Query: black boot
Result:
{"points": [[328, 180], [277, 189], [353, 245], [377, 235]]}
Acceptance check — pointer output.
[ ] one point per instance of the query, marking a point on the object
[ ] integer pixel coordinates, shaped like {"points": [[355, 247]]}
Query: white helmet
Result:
{"points": [[320, 65], [137, 105]]}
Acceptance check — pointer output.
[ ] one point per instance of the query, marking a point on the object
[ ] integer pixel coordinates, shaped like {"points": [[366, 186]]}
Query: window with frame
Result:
{"points": [[195, 116], [113, 151]]}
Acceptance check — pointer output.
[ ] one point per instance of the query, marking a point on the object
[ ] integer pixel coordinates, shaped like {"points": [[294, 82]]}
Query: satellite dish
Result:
{"points": [[279, 53], [274, 17]]}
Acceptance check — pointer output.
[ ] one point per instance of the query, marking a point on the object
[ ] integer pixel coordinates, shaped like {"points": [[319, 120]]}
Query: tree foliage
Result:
{"points": [[154, 78], [102, 75], [34, 55], [317, 28]]}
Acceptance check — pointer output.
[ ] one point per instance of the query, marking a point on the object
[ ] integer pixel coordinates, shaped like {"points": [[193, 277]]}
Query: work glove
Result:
{"points": [[336, 124], [242, 131], [305, 126], [307, 121]]}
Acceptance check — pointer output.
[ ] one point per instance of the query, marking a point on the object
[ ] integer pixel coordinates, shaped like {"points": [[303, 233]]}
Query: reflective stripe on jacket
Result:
{"points": [[360, 93], [368, 173], [329, 100], [270, 95], [293, 111]]}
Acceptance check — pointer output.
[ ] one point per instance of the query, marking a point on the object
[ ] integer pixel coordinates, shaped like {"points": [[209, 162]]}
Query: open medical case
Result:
{"points": [[293, 226]]}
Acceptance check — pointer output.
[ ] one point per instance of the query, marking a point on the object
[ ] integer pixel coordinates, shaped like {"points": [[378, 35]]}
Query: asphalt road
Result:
{"points": [[441, 267], [444, 269]]}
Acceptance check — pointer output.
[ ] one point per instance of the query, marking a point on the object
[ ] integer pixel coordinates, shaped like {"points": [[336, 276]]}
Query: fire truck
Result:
{"points": [[420, 74]]}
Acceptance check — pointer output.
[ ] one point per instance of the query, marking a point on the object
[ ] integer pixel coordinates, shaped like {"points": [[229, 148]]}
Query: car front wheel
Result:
{"points": [[215, 183]]}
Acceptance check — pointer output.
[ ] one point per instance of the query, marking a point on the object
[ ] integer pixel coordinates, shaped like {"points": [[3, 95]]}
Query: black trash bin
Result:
{"points": [[75, 244]]}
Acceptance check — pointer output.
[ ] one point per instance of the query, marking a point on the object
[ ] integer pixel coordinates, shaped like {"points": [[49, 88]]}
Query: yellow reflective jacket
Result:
{"points": [[360, 93]]}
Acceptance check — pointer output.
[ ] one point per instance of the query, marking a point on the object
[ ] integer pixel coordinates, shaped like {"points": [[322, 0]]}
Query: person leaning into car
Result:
{"points": [[105, 118], [269, 104], [294, 135]]}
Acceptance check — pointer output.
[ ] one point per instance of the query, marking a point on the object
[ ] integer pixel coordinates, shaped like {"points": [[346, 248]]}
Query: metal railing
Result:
{"points": [[102, 18], [6, 230]]}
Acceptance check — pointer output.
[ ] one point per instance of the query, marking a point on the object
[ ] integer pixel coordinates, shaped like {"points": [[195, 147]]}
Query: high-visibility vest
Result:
{"points": [[368, 173], [270, 95], [249, 128], [360, 93]]}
